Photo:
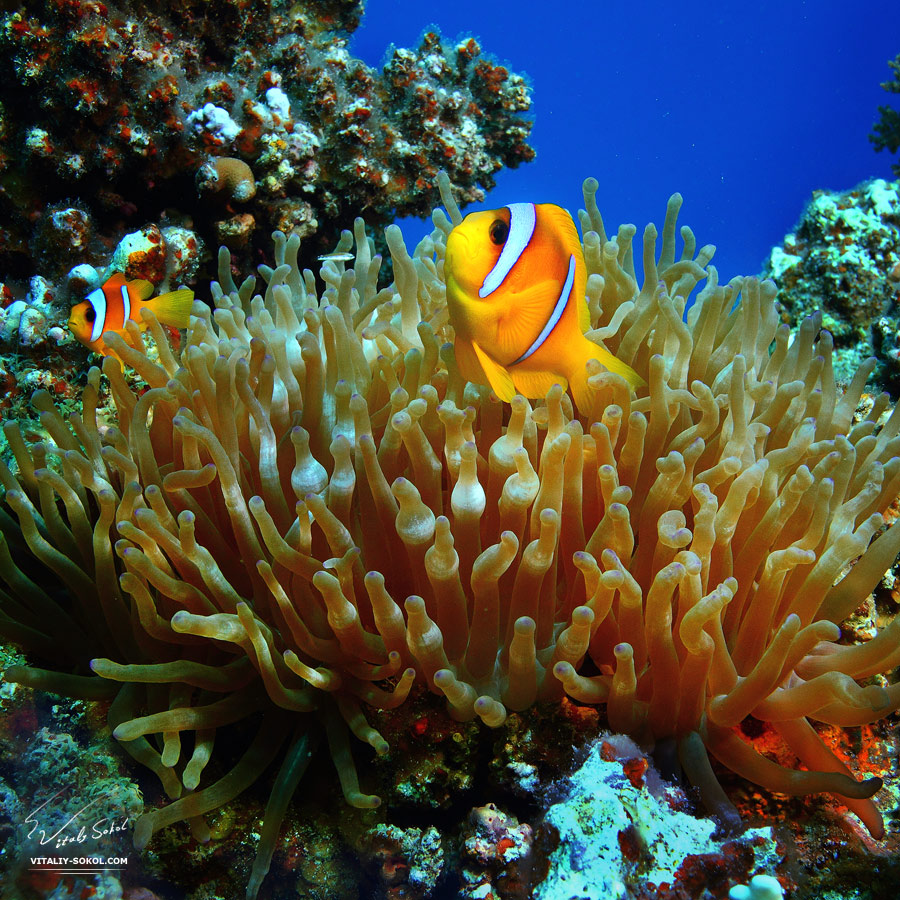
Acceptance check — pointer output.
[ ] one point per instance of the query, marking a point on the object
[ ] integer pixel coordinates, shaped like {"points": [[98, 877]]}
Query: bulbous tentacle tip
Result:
{"points": [[872, 786], [359, 800], [563, 670], [728, 820]]}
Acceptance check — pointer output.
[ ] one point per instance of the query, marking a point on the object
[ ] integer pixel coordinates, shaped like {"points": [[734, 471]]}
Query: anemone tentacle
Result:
{"points": [[309, 510]]}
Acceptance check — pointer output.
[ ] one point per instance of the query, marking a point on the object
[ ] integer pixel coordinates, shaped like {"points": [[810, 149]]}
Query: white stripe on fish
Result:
{"points": [[97, 299], [522, 219], [555, 316], [126, 303]]}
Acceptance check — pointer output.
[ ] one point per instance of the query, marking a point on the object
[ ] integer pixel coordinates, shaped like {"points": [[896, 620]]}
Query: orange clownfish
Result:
{"points": [[515, 293], [109, 307]]}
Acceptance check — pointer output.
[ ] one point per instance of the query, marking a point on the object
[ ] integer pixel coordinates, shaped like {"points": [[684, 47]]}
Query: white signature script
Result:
{"points": [[78, 828]]}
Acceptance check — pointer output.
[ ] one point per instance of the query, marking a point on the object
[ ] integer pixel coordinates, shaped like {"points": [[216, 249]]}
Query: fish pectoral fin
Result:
{"points": [[497, 377], [144, 289], [104, 349], [526, 315], [536, 384], [470, 368], [173, 309]]}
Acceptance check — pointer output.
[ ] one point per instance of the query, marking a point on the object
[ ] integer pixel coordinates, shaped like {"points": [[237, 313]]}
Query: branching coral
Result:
{"points": [[307, 510]]}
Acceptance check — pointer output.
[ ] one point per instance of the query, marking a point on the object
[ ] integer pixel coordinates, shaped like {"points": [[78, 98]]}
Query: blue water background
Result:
{"points": [[745, 108]]}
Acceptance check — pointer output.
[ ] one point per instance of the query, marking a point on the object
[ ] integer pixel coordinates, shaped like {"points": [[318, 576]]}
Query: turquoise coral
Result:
{"points": [[621, 835]]}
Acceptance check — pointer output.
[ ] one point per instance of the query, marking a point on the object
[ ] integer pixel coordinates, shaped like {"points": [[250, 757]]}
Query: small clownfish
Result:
{"points": [[109, 307], [516, 297]]}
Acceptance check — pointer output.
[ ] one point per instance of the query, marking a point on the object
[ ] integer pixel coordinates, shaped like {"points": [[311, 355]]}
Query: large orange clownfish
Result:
{"points": [[109, 307], [515, 293]]}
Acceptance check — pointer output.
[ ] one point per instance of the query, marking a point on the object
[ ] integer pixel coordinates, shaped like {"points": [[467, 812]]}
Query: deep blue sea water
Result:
{"points": [[745, 108]]}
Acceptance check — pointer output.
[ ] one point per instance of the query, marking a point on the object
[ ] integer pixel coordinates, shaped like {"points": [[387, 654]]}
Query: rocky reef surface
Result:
{"points": [[510, 815], [843, 257]]}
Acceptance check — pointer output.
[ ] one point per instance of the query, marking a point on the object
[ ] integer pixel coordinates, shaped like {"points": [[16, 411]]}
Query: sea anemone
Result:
{"points": [[306, 510]]}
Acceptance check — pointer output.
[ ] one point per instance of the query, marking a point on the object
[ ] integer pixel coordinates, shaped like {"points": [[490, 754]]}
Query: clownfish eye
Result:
{"points": [[90, 315], [499, 232]]}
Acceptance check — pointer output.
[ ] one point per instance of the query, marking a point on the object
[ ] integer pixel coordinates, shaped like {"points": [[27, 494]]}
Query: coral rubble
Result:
{"points": [[252, 115], [305, 513], [496, 856], [843, 258]]}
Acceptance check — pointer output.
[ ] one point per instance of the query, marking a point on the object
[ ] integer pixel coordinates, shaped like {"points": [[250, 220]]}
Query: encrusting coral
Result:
{"points": [[843, 258], [123, 107], [307, 510], [886, 131]]}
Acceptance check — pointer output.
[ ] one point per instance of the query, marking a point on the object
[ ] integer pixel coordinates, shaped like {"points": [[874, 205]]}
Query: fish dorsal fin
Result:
{"points": [[143, 289], [498, 378], [561, 222], [584, 314], [174, 308], [536, 384]]}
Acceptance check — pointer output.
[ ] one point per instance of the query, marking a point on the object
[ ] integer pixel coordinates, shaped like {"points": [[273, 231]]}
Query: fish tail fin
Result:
{"points": [[582, 394], [616, 366], [173, 309]]}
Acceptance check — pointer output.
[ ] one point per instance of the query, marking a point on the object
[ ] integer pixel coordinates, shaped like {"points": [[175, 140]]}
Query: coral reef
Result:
{"points": [[165, 256], [37, 348], [432, 761], [843, 258], [304, 511], [618, 831], [250, 116], [409, 861], [886, 131], [496, 856], [63, 792]]}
